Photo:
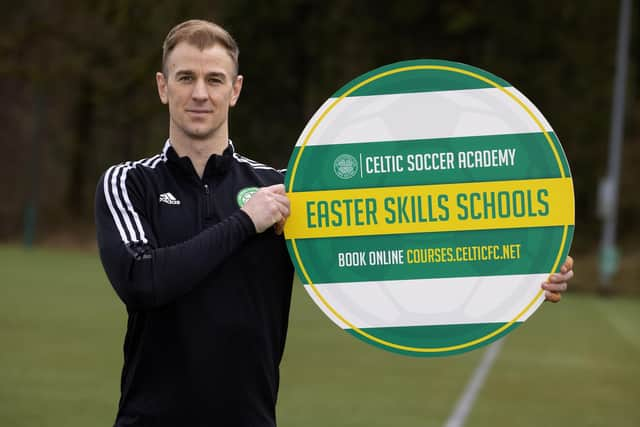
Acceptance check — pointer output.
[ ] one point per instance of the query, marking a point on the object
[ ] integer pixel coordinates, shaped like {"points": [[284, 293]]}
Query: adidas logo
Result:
{"points": [[169, 199]]}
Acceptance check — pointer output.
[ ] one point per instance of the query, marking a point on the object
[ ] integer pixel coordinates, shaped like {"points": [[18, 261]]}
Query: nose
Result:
{"points": [[199, 91]]}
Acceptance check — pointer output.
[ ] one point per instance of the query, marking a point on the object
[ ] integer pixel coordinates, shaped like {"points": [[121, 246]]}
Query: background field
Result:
{"points": [[61, 328]]}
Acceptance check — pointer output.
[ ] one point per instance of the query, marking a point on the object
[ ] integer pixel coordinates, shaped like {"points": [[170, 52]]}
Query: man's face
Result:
{"points": [[199, 87]]}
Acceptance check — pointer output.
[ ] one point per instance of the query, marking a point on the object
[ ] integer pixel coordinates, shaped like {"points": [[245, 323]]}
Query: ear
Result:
{"points": [[235, 90], [162, 87]]}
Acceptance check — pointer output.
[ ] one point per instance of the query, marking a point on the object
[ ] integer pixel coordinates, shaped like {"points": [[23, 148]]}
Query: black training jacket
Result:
{"points": [[207, 297]]}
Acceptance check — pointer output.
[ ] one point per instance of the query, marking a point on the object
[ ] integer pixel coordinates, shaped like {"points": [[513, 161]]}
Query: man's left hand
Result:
{"points": [[556, 284]]}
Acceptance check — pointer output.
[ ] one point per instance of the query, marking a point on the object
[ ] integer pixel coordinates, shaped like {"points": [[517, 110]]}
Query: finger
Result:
{"points": [[282, 204], [276, 218], [552, 296], [281, 198], [560, 277], [277, 189], [555, 287], [279, 226], [568, 265], [273, 212], [284, 209]]}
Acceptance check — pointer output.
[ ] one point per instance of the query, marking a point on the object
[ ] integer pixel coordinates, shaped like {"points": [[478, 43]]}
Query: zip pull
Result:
{"points": [[206, 189]]}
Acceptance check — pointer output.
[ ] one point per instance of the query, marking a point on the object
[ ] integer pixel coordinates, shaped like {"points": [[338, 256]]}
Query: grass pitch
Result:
{"points": [[576, 363]]}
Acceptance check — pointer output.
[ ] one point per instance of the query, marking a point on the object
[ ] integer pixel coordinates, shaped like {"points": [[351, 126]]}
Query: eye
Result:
{"points": [[185, 78], [215, 80]]}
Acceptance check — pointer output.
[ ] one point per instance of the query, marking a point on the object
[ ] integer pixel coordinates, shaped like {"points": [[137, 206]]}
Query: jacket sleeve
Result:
{"points": [[144, 275]]}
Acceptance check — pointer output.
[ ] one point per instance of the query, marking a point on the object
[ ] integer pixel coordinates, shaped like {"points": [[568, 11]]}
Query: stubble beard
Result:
{"points": [[195, 133]]}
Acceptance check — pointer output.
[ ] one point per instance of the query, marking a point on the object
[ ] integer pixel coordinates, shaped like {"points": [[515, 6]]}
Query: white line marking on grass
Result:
{"points": [[462, 409]]}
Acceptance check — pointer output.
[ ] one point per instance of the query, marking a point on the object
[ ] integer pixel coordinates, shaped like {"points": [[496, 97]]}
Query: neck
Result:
{"points": [[198, 150]]}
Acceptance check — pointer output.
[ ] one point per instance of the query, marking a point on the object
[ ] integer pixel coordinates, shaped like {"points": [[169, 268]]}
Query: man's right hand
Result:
{"points": [[269, 206]]}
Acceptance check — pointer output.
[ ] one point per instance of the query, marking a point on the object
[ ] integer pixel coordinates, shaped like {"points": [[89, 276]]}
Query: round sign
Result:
{"points": [[429, 201]]}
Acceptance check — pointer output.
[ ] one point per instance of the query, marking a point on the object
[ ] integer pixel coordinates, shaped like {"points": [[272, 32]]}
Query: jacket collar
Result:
{"points": [[216, 165]]}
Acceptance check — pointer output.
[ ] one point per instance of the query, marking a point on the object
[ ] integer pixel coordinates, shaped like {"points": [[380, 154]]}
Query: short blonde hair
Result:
{"points": [[201, 34]]}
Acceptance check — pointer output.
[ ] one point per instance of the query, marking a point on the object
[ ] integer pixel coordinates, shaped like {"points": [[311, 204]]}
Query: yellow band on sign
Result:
{"points": [[431, 208]]}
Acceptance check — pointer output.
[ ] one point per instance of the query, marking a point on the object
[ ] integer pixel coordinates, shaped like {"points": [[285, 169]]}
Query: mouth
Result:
{"points": [[198, 111]]}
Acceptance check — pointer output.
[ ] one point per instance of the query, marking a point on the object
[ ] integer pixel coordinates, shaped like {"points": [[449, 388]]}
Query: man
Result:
{"points": [[190, 240]]}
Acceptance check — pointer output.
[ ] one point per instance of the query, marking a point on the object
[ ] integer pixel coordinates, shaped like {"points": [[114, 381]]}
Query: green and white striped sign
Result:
{"points": [[429, 201]]}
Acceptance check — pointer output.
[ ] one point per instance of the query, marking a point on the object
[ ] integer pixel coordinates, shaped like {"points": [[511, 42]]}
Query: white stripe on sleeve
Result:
{"points": [[117, 196], [107, 196]]}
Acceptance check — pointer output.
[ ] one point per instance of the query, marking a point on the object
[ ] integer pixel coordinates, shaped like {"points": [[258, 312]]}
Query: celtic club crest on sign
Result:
{"points": [[345, 166]]}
